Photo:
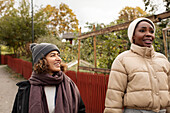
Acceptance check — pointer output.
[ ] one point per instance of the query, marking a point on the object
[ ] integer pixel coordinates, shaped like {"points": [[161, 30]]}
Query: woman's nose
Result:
{"points": [[58, 58], [148, 33]]}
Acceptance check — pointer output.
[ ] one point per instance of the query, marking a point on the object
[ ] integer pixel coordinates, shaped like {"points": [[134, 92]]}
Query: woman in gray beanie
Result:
{"points": [[48, 90], [139, 80]]}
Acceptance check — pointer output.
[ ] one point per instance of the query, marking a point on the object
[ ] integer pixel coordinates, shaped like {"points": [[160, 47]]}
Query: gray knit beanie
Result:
{"points": [[133, 24], [41, 50]]}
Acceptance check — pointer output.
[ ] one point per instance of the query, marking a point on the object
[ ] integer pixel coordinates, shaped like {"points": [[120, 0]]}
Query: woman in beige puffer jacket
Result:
{"points": [[139, 80]]}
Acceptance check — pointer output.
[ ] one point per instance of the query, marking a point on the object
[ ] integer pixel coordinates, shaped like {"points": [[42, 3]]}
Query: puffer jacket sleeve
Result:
{"points": [[168, 108], [116, 87]]}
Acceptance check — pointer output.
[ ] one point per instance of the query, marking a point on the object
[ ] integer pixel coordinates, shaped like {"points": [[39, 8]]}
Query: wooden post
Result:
{"points": [[94, 44], [79, 50], [164, 40]]}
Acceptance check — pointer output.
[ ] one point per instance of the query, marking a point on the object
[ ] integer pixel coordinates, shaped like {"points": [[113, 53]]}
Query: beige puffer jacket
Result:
{"points": [[139, 79]]}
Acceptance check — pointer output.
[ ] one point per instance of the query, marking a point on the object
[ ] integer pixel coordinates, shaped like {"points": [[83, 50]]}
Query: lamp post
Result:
{"points": [[32, 22], [32, 26]]}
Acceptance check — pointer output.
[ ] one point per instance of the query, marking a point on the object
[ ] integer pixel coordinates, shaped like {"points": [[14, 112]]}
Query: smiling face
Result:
{"points": [[54, 61], [144, 34]]}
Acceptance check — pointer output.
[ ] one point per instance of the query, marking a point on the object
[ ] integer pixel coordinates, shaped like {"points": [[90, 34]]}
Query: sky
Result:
{"points": [[93, 11]]}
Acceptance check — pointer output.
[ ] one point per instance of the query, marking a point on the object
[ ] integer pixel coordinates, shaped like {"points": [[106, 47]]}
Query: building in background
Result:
{"points": [[69, 37]]}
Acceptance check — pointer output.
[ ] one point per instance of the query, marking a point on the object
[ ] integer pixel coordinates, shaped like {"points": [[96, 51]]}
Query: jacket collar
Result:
{"points": [[143, 51]]}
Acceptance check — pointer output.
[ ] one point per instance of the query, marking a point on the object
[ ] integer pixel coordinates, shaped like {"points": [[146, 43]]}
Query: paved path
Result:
{"points": [[8, 89]]}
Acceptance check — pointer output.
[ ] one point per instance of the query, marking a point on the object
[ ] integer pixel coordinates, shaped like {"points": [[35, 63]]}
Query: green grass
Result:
{"points": [[13, 73]]}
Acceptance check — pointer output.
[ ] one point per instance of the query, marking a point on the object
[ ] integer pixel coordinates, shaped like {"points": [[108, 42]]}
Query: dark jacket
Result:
{"points": [[21, 102]]}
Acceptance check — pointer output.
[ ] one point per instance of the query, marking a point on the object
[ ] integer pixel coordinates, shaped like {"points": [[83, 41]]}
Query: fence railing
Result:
{"points": [[92, 86]]}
